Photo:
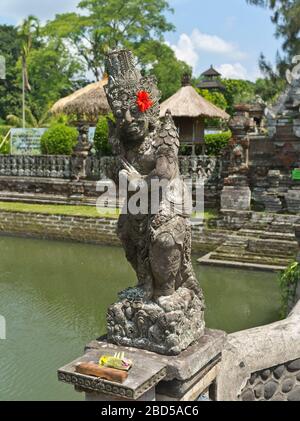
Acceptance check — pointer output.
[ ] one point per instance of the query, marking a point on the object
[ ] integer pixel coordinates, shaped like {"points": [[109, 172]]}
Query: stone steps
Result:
{"points": [[268, 235], [283, 227], [251, 258], [257, 244]]}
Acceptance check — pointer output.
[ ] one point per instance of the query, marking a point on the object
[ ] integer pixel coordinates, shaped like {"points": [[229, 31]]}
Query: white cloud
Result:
{"points": [[17, 10], [189, 48], [233, 71], [185, 50], [238, 71], [215, 44]]}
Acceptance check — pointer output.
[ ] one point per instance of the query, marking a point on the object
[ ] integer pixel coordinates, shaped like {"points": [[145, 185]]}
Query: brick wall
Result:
{"points": [[87, 229]]}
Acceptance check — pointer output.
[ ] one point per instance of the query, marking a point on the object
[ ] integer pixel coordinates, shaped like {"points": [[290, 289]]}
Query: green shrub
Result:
{"points": [[288, 282], [5, 149], [101, 143], [4, 129], [59, 139], [215, 143]]}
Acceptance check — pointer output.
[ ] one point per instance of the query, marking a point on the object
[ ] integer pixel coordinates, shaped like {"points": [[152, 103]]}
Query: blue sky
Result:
{"points": [[229, 34]]}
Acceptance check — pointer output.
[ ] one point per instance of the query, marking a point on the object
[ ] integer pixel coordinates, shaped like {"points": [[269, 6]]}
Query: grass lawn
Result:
{"points": [[74, 210], [71, 210]]}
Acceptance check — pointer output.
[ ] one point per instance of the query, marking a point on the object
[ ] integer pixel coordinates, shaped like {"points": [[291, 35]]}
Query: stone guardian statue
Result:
{"points": [[164, 313]]}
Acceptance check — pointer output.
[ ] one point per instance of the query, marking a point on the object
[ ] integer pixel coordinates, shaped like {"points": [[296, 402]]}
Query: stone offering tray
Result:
{"points": [[153, 376], [143, 376]]}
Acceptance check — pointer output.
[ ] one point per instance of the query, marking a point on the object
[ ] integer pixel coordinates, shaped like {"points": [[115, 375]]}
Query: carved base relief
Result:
{"points": [[167, 326]]}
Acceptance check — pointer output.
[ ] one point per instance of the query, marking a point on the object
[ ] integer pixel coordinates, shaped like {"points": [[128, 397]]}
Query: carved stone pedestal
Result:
{"points": [[153, 377], [167, 326]]}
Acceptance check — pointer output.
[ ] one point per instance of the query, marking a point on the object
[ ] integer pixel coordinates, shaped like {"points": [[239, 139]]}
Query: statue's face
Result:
{"points": [[132, 123]]}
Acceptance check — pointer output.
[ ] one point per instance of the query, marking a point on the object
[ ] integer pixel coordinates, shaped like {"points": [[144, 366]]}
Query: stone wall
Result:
{"points": [[262, 363], [59, 227], [272, 186], [88, 229], [235, 220]]}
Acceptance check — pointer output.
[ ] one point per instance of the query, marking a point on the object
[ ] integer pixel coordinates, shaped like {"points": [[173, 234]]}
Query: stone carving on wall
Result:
{"points": [[280, 383], [164, 313]]}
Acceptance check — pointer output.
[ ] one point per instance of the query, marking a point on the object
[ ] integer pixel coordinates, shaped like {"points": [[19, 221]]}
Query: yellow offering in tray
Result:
{"points": [[118, 361]]}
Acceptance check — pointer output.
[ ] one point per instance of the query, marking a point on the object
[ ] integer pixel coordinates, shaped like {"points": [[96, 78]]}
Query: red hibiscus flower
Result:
{"points": [[143, 101]]}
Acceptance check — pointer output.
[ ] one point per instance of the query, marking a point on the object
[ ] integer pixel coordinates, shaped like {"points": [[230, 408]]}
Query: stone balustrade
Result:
{"points": [[61, 166], [262, 363], [49, 166]]}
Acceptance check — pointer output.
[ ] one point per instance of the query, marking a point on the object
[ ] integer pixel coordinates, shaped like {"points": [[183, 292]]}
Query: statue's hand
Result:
{"points": [[135, 179]]}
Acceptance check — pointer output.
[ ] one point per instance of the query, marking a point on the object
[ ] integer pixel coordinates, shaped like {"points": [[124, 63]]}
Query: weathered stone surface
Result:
{"points": [[278, 372], [236, 198], [185, 365], [144, 375], [270, 389], [266, 352], [248, 395], [258, 390], [265, 374], [167, 326], [294, 395], [288, 384], [294, 365]]}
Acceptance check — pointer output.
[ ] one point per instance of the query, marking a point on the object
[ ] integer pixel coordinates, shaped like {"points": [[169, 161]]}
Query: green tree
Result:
{"points": [[109, 24], [52, 71], [237, 91], [286, 17], [215, 97], [167, 69], [10, 92], [269, 89], [28, 32]]}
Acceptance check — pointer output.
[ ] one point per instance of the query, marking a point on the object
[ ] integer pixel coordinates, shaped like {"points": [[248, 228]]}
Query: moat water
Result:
{"points": [[54, 296]]}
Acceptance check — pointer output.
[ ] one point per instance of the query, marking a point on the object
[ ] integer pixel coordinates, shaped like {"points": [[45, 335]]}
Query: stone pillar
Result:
{"points": [[236, 194], [81, 152]]}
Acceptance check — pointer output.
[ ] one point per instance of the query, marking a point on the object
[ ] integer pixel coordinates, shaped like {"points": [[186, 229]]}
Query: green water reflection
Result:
{"points": [[54, 296]]}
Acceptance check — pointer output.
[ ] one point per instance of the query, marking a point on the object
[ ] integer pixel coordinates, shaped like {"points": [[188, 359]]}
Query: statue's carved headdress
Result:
{"points": [[126, 85]]}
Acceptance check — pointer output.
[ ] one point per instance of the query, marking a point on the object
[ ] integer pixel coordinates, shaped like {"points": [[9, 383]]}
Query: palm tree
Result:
{"points": [[31, 120], [27, 31]]}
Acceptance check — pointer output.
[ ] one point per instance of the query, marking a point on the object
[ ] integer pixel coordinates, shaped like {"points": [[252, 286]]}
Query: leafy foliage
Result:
{"points": [[167, 69], [216, 98], [109, 24], [237, 91], [10, 90], [59, 139], [286, 17], [288, 284], [51, 70], [215, 143], [101, 143]]}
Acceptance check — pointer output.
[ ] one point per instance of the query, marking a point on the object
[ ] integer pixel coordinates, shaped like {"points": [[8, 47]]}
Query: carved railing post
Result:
{"points": [[236, 194], [81, 152]]}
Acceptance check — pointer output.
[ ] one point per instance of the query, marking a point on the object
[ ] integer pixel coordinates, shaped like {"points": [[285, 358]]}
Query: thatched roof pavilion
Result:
{"points": [[189, 110], [188, 103], [87, 103]]}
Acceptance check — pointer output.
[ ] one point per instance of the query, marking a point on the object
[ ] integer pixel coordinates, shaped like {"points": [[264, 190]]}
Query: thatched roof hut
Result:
{"points": [[87, 103], [189, 110], [188, 103]]}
